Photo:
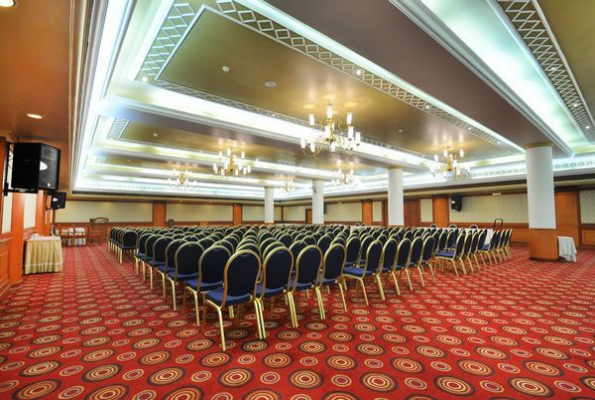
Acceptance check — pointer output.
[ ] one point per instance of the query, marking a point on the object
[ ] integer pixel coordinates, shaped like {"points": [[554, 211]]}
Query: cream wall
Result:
{"points": [[253, 213], [83, 211], [7, 214], [199, 212], [294, 214], [377, 211], [427, 210], [30, 210], [587, 203], [512, 208], [343, 212]]}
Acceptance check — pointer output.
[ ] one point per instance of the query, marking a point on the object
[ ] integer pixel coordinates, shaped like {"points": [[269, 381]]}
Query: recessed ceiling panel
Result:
{"points": [[304, 85]]}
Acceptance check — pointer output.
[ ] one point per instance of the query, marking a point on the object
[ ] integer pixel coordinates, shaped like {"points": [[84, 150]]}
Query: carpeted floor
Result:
{"points": [[517, 330]]}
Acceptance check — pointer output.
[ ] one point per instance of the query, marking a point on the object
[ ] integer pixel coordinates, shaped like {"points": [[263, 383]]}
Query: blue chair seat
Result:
{"points": [[269, 292], [358, 272], [182, 277], [216, 296], [204, 286], [297, 286], [485, 247], [140, 255], [446, 254], [165, 268], [156, 264], [326, 281], [128, 247]]}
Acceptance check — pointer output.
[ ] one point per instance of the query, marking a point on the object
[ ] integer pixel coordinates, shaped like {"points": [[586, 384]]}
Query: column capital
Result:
{"points": [[538, 144]]}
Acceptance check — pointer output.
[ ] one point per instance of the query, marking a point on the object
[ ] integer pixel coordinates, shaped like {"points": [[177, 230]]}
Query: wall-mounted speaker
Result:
{"points": [[456, 203], [58, 200], [35, 166]]}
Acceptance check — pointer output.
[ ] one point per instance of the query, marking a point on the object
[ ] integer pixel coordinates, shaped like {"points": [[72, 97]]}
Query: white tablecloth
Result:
{"points": [[566, 248]]}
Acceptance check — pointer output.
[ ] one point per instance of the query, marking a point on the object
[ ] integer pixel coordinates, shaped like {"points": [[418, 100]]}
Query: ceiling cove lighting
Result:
{"points": [[336, 135], [231, 165], [7, 3]]}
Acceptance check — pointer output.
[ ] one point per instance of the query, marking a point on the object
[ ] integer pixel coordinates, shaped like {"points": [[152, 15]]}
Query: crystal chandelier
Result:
{"points": [[181, 179], [231, 165], [450, 167], [289, 186], [345, 178], [336, 135]]}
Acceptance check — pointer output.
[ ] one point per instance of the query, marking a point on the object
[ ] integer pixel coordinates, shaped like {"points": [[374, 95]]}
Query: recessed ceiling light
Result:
{"points": [[575, 105], [469, 128], [7, 3], [127, 160], [359, 71], [427, 107], [400, 130], [225, 69], [270, 84], [34, 116], [498, 142], [144, 79], [155, 134], [588, 126], [553, 68]]}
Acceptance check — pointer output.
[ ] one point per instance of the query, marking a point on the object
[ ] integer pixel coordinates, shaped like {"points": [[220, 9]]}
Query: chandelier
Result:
{"points": [[289, 186], [450, 167], [181, 179], [231, 165], [345, 178], [336, 135]]}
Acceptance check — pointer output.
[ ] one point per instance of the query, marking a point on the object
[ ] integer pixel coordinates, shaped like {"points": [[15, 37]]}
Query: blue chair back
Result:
{"points": [[212, 264], [287, 240], [308, 264], [428, 249], [389, 254], [373, 256], [240, 275], [187, 258], [416, 248], [334, 261], [170, 252], [159, 249], [403, 253], [459, 249], [352, 249], [277, 269], [324, 243], [296, 248], [468, 243]]}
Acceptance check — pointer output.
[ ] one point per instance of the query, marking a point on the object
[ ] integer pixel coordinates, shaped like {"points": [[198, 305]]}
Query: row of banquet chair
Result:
{"points": [[228, 267]]}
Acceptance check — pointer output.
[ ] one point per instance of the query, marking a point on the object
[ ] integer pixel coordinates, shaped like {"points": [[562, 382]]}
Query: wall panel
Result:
{"points": [[427, 210], [377, 212], [513, 208], [82, 211], [294, 213], [587, 206], [343, 212], [200, 212], [253, 214], [30, 210]]}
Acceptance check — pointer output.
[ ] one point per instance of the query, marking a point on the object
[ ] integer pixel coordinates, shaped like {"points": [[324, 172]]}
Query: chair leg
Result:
{"points": [[231, 312], [361, 282], [258, 308], [221, 331], [396, 283], [470, 263], [380, 289], [151, 277], [454, 264], [163, 285], [173, 294], [408, 279], [292, 312], [431, 267], [196, 309], [272, 306], [320, 303], [204, 311], [342, 297], [477, 262], [144, 267], [421, 276]]}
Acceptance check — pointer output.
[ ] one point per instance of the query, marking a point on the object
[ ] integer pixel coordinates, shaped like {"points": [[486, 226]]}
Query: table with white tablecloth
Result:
{"points": [[566, 248], [43, 254]]}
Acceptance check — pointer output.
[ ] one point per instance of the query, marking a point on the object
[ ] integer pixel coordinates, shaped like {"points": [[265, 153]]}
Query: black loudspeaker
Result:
{"points": [[456, 203], [35, 166], [171, 223], [58, 200]]}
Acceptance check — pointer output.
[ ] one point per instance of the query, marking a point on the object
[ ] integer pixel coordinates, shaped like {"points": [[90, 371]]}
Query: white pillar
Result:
{"points": [[317, 202], [540, 188], [396, 206], [269, 205]]}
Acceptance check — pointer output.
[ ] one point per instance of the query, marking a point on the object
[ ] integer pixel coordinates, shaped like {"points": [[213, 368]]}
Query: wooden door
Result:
{"points": [[309, 216]]}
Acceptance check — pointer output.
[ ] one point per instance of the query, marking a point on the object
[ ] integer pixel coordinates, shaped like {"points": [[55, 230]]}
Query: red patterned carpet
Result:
{"points": [[518, 330]]}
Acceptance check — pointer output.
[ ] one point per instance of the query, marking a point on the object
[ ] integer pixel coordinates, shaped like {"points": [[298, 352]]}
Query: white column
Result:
{"points": [[396, 206], [269, 205], [317, 202], [540, 188]]}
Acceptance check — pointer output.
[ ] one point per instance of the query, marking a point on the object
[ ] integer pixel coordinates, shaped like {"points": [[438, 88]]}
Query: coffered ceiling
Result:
{"points": [[167, 85]]}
